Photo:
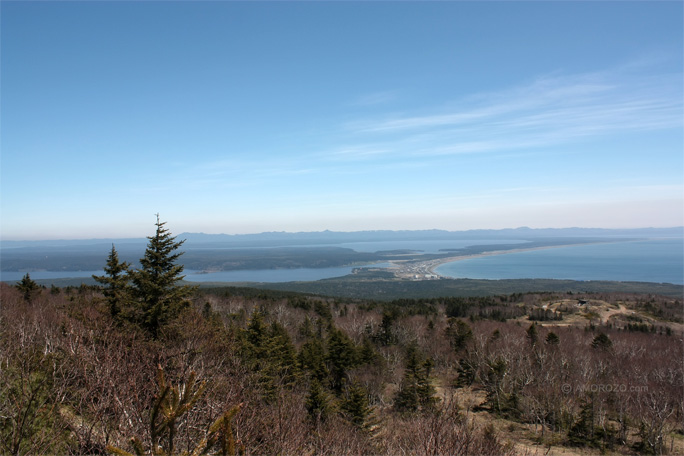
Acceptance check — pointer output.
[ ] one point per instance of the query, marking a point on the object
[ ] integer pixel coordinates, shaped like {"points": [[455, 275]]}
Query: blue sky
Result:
{"points": [[241, 117]]}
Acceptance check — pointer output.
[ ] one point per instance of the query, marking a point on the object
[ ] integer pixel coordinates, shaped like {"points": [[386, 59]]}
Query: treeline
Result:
{"points": [[377, 288]]}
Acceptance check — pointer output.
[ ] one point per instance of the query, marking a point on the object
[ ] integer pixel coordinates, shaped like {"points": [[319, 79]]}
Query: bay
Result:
{"points": [[657, 260], [13, 276], [261, 275], [275, 275]]}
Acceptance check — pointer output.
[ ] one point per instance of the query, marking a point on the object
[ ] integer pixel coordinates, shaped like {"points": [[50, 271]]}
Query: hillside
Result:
{"points": [[529, 373]]}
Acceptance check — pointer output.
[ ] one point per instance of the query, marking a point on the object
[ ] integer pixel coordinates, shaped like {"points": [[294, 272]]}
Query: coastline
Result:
{"points": [[426, 270]]}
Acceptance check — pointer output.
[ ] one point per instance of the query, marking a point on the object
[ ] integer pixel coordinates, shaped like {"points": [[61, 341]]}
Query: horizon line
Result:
{"points": [[135, 238]]}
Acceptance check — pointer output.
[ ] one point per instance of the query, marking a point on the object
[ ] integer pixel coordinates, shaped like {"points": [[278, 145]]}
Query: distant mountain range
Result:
{"points": [[271, 239]]}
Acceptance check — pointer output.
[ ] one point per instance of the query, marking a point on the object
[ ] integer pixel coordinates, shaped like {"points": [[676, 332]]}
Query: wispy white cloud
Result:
{"points": [[522, 121], [551, 110]]}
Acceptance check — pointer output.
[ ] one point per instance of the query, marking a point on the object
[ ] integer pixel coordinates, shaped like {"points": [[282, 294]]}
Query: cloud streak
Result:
{"points": [[552, 110]]}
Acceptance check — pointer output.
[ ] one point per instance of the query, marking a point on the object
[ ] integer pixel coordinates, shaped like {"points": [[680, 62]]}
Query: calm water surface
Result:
{"points": [[274, 275], [642, 261], [261, 275], [660, 261]]}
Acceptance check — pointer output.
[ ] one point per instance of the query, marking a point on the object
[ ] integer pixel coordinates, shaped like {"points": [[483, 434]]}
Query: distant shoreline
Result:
{"points": [[427, 268]]}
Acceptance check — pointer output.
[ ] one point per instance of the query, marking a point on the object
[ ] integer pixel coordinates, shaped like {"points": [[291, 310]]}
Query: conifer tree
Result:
{"points": [[552, 338], [532, 335], [311, 357], [28, 287], [256, 336], [155, 283], [416, 392], [459, 333], [279, 367], [342, 355], [355, 406], [385, 335], [317, 402], [306, 329], [116, 281], [367, 353], [269, 351], [601, 342]]}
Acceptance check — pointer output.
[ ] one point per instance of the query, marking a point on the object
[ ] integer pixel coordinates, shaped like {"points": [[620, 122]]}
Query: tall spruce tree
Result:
{"points": [[341, 357], [155, 284], [416, 392], [355, 406], [318, 402], [116, 281], [28, 287]]}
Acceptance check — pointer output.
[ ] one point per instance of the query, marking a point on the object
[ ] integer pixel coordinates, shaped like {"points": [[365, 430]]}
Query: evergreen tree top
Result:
{"points": [[159, 257]]}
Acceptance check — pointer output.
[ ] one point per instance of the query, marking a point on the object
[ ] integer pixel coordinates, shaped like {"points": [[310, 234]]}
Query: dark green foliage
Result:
{"points": [[28, 287], [312, 357], [584, 432], [342, 356], [206, 311], [318, 403], [466, 369], [323, 309], [501, 398], [386, 290], [459, 334], [116, 280], [416, 392], [355, 406], [256, 336], [552, 339], [367, 353], [601, 342], [385, 334], [641, 327], [458, 307], [532, 334], [301, 303], [282, 354], [159, 297], [306, 329], [268, 349]]}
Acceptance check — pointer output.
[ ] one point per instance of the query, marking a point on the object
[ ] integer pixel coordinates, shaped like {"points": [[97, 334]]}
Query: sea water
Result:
{"points": [[657, 260], [275, 275], [260, 275], [660, 261]]}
